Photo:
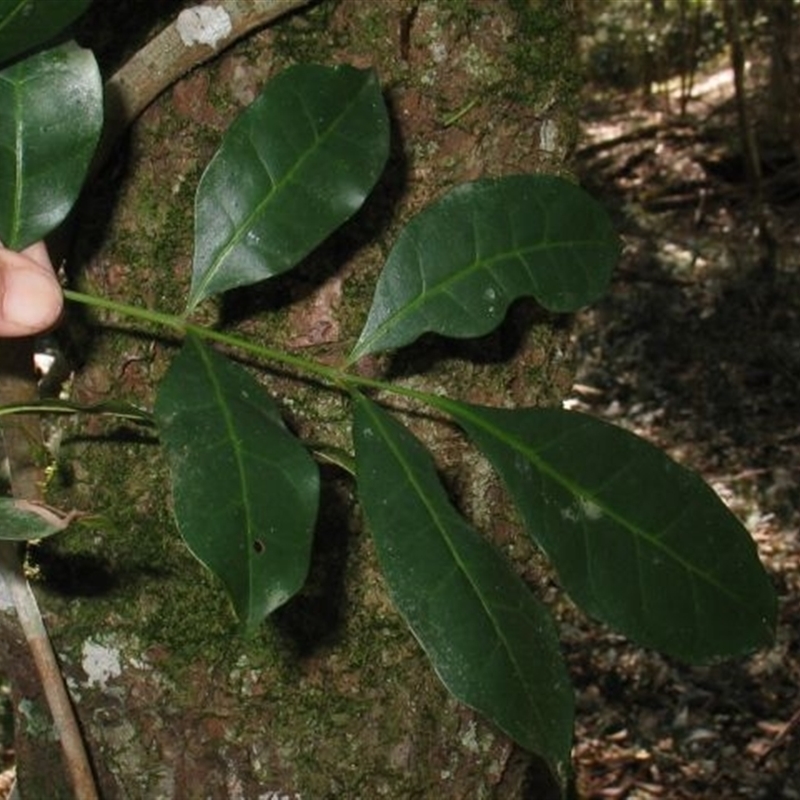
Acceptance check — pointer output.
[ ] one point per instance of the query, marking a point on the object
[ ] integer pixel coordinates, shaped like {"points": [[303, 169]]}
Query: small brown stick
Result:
{"points": [[787, 729], [30, 619]]}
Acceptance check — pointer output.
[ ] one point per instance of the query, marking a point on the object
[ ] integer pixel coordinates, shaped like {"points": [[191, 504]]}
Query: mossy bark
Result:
{"points": [[333, 698]]}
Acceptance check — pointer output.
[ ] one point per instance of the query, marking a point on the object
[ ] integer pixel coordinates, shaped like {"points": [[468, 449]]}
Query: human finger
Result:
{"points": [[30, 296]]}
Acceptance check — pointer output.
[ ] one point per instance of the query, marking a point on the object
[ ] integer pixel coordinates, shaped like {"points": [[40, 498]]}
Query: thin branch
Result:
{"points": [[17, 385], [64, 721], [196, 35]]}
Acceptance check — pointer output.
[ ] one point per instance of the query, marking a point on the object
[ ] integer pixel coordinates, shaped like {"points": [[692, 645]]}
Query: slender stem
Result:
{"points": [[328, 374], [179, 324], [331, 376], [451, 119], [168, 56], [52, 406], [135, 312]]}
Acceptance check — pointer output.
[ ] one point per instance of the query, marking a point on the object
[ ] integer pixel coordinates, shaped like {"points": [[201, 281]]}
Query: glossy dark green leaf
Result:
{"points": [[245, 490], [22, 520], [491, 642], [25, 24], [460, 263], [292, 168], [638, 540], [51, 114]]}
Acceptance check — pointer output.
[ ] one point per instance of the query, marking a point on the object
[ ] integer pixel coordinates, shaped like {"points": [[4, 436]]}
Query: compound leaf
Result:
{"points": [[639, 541], [491, 642], [51, 114], [25, 24], [291, 169], [245, 490], [459, 264]]}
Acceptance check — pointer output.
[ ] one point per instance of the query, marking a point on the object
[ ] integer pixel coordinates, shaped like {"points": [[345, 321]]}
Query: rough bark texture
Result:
{"points": [[334, 698]]}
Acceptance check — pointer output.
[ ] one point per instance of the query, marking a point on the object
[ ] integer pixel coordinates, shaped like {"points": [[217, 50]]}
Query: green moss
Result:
{"points": [[306, 38], [545, 53], [461, 12], [36, 720], [154, 231], [131, 566], [374, 25]]}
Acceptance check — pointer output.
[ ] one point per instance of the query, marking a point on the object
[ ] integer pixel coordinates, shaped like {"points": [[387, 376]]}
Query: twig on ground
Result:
{"points": [[783, 734]]}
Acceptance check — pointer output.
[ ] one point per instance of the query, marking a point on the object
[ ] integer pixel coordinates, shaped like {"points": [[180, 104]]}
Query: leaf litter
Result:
{"points": [[696, 350]]}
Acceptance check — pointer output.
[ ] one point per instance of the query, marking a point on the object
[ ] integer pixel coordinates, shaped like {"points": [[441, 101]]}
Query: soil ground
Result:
{"points": [[696, 348]]}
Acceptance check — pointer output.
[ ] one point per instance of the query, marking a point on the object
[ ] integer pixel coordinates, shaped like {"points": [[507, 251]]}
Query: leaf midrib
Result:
{"points": [[459, 410], [521, 674], [237, 449], [444, 285], [12, 14], [259, 209]]}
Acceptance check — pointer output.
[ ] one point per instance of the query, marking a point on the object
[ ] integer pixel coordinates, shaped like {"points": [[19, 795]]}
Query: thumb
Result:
{"points": [[30, 296]]}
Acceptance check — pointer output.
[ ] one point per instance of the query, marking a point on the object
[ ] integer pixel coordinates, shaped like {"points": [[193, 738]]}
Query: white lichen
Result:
{"points": [[585, 510], [6, 600], [549, 135], [591, 511], [101, 662], [203, 25]]}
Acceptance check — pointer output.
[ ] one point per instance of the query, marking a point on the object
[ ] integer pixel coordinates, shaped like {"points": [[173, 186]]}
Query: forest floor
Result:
{"points": [[696, 348]]}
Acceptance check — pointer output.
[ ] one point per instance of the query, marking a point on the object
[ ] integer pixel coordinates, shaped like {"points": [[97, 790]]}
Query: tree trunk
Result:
{"points": [[783, 112], [749, 143], [333, 698]]}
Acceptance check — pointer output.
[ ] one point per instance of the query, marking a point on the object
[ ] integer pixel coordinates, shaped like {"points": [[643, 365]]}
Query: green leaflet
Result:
{"points": [[459, 264], [51, 114], [292, 168], [638, 541], [25, 24], [245, 490], [493, 645]]}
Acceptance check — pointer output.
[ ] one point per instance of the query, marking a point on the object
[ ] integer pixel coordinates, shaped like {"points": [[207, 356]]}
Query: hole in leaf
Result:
{"points": [[258, 547]]}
